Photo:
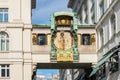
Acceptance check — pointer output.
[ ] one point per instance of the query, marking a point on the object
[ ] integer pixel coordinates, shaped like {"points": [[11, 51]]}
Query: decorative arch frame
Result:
{"points": [[6, 41], [112, 28]]}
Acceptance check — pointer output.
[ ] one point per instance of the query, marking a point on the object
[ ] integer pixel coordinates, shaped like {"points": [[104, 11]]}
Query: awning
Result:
{"points": [[102, 61]]}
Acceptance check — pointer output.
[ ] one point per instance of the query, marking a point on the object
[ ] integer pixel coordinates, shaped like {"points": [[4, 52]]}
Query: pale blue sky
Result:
{"points": [[44, 8], [41, 15], [47, 72]]}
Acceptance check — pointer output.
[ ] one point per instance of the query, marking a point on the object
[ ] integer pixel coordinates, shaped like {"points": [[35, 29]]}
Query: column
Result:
{"points": [[27, 71], [27, 42]]}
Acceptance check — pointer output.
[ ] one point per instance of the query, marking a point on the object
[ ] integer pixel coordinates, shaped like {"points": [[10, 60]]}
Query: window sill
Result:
{"points": [[4, 22], [4, 77], [4, 51]]}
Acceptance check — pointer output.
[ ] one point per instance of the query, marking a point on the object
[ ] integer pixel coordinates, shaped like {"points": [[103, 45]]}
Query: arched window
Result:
{"points": [[4, 41], [112, 25], [101, 38]]}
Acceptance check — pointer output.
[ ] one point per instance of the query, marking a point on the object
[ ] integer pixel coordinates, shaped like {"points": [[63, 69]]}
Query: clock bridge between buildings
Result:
{"points": [[64, 44]]}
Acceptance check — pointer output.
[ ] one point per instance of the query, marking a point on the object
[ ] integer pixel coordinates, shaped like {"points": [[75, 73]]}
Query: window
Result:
{"points": [[102, 8], [93, 14], [93, 5], [41, 39], [86, 15], [113, 25], [4, 41], [80, 16], [101, 37], [4, 71], [86, 39], [3, 15], [86, 19], [80, 19], [93, 18]]}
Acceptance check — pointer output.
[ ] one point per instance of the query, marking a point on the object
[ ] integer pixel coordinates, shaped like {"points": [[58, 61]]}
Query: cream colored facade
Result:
{"points": [[18, 56]]}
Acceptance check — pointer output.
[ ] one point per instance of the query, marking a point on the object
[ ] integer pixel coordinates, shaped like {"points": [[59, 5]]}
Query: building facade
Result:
{"points": [[84, 9], [106, 19], [108, 36], [15, 39]]}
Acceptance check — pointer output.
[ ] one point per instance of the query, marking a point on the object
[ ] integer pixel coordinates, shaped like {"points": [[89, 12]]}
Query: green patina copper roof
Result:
{"points": [[41, 25], [48, 25], [86, 25]]}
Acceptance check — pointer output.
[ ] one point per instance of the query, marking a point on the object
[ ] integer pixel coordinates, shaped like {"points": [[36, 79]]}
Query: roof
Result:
{"points": [[86, 25], [41, 25], [48, 25]]}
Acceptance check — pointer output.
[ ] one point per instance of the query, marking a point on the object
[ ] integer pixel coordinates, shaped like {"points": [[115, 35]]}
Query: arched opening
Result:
{"points": [[112, 25], [4, 41]]}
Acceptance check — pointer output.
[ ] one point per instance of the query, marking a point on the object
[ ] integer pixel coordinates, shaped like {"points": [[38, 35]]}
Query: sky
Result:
{"points": [[44, 8], [47, 72], [41, 15]]}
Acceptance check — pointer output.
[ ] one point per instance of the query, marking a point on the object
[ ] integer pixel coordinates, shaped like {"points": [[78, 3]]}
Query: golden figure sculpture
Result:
{"points": [[62, 41]]}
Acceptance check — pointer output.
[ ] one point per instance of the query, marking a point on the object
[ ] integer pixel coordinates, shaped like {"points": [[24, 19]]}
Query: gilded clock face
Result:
{"points": [[63, 40]]}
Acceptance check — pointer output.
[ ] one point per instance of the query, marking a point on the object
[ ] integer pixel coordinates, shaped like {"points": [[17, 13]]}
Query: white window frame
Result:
{"points": [[3, 13], [6, 67], [5, 38]]}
